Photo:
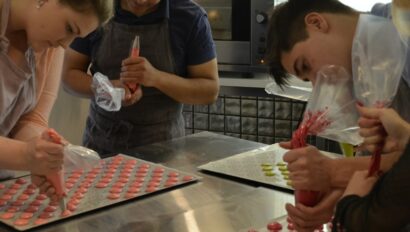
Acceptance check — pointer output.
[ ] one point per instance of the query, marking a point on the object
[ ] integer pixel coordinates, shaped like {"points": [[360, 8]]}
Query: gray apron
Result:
{"points": [[156, 117], [17, 85]]}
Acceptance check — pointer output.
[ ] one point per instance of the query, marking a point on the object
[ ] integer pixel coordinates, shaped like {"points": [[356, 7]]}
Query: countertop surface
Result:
{"points": [[212, 204]]}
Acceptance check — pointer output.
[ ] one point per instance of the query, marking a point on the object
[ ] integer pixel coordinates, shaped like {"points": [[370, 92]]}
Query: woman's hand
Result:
{"points": [[378, 126], [43, 155], [46, 156]]}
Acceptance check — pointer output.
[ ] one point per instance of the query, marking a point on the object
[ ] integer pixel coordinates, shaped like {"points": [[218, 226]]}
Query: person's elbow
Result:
{"points": [[213, 91], [210, 72], [66, 81]]}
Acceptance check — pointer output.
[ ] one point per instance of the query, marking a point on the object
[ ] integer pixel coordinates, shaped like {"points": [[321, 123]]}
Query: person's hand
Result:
{"points": [[360, 184], [383, 125], [308, 168], [44, 156], [44, 186], [130, 97], [139, 70], [310, 218]]}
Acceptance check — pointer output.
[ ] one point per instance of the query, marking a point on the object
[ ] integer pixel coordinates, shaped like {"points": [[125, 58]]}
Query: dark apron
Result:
{"points": [[156, 117]]}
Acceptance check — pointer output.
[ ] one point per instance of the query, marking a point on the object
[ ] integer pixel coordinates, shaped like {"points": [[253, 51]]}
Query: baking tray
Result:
{"points": [[117, 179], [263, 165]]}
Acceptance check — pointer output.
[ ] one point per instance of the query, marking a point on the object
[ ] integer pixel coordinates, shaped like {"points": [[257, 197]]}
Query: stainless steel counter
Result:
{"points": [[213, 204], [234, 84]]}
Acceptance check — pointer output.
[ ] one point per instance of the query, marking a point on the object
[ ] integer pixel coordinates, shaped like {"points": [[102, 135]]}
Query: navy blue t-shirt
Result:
{"points": [[190, 32]]}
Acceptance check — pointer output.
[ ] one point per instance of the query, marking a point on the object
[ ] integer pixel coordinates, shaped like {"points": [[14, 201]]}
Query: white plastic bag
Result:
{"points": [[378, 58], [106, 95], [332, 98], [79, 157], [75, 157], [330, 111]]}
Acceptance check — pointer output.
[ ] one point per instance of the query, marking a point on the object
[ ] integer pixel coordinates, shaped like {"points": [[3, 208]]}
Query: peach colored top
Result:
{"points": [[27, 93], [48, 75]]}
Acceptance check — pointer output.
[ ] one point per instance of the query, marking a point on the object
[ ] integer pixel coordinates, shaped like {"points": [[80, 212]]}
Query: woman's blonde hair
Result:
{"points": [[102, 8]]}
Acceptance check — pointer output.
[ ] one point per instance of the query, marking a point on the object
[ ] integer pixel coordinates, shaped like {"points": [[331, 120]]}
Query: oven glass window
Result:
{"points": [[229, 19]]}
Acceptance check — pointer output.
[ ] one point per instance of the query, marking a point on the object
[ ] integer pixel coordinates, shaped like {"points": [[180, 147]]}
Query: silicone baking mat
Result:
{"points": [[117, 179], [264, 165]]}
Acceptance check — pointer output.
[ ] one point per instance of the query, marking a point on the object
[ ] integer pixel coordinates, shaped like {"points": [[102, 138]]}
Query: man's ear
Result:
{"points": [[316, 21]]}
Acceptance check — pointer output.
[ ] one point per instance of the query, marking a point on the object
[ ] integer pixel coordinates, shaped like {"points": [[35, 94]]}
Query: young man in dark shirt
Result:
{"points": [[303, 37]]}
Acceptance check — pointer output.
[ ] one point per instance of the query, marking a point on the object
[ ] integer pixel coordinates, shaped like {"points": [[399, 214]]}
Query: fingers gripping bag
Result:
{"points": [[134, 52], [378, 58], [106, 95], [330, 113], [75, 157]]}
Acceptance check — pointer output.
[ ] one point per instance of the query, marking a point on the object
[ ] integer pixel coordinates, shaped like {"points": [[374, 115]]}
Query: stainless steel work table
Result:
{"points": [[212, 204]]}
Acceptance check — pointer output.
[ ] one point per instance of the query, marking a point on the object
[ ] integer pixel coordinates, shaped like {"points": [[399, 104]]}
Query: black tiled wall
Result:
{"points": [[262, 119]]}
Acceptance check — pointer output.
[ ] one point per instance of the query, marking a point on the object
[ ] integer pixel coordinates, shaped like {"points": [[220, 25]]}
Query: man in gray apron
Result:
{"points": [[170, 34]]}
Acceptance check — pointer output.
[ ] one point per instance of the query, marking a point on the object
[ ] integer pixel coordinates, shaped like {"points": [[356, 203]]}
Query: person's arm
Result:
{"points": [[201, 86], [48, 71], [18, 149], [202, 83], [310, 169], [341, 170], [385, 208], [75, 79], [37, 155]]}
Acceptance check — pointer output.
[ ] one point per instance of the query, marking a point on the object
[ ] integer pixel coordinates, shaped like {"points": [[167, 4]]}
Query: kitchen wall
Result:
{"points": [[69, 115], [262, 119]]}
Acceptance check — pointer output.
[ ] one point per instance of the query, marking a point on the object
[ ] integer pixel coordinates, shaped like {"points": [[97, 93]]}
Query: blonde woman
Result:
{"points": [[32, 33]]}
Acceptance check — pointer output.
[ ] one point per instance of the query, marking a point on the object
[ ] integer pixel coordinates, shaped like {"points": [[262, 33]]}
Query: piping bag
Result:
{"points": [[107, 96], [57, 178], [75, 157], [134, 52], [378, 61], [330, 113]]}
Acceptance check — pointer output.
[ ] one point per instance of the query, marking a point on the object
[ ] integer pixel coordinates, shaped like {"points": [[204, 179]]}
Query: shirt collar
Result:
{"points": [[162, 12]]}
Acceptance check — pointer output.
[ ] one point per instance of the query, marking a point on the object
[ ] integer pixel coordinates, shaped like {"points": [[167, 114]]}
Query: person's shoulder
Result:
{"points": [[85, 45], [94, 35], [382, 10], [186, 9]]}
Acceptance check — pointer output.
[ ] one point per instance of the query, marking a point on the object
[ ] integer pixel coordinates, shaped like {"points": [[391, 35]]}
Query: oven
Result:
{"points": [[239, 30]]}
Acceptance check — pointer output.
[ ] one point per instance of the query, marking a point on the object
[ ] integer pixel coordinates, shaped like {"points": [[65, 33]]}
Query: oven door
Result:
{"points": [[230, 24]]}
